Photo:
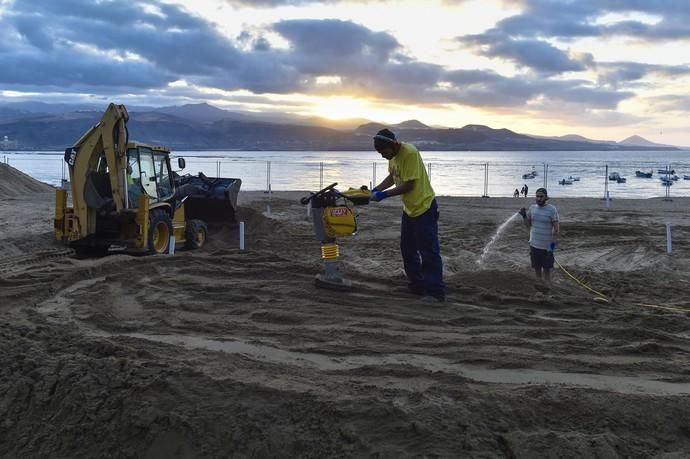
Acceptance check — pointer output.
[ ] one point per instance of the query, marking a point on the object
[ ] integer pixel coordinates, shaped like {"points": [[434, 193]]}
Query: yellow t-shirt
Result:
{"points": [[408, 165]]}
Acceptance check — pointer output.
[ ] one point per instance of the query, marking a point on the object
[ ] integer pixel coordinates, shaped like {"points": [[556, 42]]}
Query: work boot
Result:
{"points": [[416, 290], [434, 299]]}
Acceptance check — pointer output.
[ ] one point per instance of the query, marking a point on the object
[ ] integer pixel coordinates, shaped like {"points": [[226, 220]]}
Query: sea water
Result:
{"points": [[453, 173]]}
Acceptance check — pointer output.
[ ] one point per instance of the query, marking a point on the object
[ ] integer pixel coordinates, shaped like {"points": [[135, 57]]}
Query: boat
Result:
{"points": [[574, 179], [666, 171], [643, 174], [529, 175], [565, 182], [686, 177], [666, 183], [614, 176], [666, 179], [621, 180]]}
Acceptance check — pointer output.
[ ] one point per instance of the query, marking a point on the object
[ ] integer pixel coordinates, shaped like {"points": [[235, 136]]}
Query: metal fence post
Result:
{"points": [[486, 181], [606, 187], [321, 175], [268, 176], [373, 182], [268, 187]]}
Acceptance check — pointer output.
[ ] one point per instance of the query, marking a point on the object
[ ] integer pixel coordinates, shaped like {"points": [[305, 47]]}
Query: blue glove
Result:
{"points": [[552, 247], [378, 195]]}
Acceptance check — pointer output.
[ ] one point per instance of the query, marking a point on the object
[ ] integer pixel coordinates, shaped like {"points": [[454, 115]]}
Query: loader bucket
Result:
{"points": [[209, 199]]}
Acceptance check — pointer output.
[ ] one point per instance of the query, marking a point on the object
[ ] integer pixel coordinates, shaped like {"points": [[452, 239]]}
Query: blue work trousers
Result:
{"points": [[420, 251]]}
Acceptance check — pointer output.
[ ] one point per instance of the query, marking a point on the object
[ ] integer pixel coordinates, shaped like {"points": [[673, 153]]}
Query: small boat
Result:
{"points": [[686, 177], [666, 171], [565, 182], [614, 176], [621, 180], [529, 175], [666, 179], [574, 179], [643, 174]]}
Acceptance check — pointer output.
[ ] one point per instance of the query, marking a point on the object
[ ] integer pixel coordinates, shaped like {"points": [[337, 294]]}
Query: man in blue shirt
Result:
{"points": [[543, 221]]}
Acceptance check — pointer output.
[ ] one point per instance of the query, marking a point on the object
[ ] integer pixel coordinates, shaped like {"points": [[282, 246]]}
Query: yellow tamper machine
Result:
{"points": [[333, 217]]}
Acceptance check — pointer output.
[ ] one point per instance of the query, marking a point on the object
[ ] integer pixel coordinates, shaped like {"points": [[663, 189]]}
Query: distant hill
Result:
{"points": [[411, 124], [371, 128], [205, 127], [638, 141], [203, 113], [573, 138], [347, 124], [8, 113]]}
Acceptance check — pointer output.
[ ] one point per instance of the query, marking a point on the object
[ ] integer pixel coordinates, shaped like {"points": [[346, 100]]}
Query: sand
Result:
{"points": [[228, 353]]}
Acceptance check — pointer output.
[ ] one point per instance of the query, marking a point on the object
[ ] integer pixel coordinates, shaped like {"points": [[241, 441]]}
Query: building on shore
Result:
{"points": [[7, 144]]}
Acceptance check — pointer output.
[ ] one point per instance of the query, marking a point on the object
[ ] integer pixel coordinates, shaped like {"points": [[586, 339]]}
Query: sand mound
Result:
{"points": [[222, 352], [15, 183]]}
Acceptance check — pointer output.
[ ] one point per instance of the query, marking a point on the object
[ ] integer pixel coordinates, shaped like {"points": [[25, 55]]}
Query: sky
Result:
{"points": [[605, 69]]}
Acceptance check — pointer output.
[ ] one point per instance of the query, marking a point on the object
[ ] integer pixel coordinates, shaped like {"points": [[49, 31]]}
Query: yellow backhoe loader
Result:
{"points": [[125, 194]]}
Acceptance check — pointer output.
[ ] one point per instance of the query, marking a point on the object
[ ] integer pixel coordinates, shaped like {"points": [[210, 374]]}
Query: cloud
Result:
{"points": [[537, 55], [333, 38], [67, 41], [135, 50], [669, 103], [487, 88], [616, 73], [583, 18]]}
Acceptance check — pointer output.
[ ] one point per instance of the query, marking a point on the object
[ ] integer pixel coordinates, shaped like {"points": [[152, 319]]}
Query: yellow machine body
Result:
{"points": [[358, 196], [339, 221]]}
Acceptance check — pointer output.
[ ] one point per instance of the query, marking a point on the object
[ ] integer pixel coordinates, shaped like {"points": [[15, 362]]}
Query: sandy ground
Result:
{"points": [[228, 353]]}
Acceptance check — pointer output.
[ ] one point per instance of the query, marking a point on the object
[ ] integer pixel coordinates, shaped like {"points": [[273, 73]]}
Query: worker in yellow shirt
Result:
{"points": [[419, 244]]}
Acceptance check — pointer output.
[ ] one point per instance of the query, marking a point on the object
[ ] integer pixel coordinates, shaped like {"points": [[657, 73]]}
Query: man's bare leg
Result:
{"points": [[537, 274], [547, 278]]}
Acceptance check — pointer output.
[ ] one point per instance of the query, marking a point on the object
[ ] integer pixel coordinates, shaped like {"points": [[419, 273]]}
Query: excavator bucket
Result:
{"points": [[213, 200]]}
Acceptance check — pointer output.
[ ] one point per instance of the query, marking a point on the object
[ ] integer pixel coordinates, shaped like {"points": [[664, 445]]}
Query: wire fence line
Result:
{"points": [[573, 178]]}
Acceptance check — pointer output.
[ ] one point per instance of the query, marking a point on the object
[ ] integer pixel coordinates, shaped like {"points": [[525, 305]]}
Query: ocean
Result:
{"points": [[452, 173]]}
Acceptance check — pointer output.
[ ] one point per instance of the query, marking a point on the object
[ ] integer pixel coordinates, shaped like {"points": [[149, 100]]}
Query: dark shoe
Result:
{"points": [[441, 298], [416, 290], [541, 288]]}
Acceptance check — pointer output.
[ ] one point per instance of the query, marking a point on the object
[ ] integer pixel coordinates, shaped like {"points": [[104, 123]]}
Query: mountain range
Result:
{"points": [[41, 126]]}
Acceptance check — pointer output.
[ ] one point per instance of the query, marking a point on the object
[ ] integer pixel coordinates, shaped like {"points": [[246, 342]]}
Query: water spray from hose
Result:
{"points": [[494, 238]]}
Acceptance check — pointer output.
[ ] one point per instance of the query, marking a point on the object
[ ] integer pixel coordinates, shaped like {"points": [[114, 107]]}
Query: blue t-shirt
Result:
{"points": [[541, 230]]}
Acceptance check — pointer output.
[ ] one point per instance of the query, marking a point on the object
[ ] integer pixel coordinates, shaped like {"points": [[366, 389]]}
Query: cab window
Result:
{"points": [[148, 172], [163, 174]]}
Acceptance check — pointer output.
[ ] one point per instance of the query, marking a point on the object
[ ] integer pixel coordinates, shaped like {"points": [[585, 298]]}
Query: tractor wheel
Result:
{"points": [[195, 234], [160, 230]]}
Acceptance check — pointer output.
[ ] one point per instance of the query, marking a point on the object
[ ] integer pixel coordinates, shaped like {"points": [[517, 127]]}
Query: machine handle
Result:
{"points": [[306, 199]]}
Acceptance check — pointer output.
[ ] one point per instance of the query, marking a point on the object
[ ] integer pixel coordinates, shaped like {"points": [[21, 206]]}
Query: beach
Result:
{"points": [[223, 352]]}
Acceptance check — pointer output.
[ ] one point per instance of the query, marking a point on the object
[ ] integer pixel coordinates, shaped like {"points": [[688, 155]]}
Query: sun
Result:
{"points": [[341, 107]]}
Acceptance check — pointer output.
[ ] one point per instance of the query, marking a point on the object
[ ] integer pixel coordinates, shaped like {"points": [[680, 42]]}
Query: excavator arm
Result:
{"points": [[97, 165]]}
